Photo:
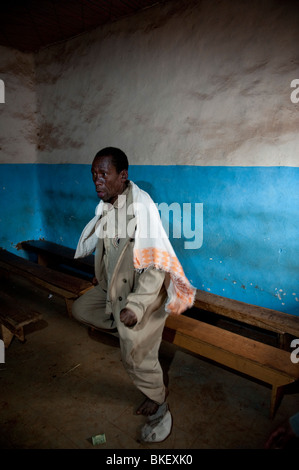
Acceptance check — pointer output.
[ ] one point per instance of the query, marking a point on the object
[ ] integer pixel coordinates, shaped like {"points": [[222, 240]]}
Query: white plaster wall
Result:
{"points": [[18, 122], [192, 82], [188, 82]]}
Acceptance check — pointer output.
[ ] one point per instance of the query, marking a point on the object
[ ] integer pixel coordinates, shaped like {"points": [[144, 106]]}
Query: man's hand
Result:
{"points": [[128, 317]]}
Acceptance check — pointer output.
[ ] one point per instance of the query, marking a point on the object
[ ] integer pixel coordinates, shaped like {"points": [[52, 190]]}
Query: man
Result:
{"points": [[139, 281]]}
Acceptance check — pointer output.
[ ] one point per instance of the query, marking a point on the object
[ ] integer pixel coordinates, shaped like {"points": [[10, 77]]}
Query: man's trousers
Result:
{"points": [[139, 345]]}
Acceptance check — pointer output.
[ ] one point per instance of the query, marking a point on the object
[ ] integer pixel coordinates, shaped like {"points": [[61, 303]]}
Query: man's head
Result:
{"points": [[110, 173]]}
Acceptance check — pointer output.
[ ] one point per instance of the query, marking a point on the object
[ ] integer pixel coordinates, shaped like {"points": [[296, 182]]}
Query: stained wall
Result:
{"points": [[198, 94]]}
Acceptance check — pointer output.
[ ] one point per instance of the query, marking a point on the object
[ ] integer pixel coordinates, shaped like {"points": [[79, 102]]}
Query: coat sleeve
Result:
{"points": [[149, 285]]}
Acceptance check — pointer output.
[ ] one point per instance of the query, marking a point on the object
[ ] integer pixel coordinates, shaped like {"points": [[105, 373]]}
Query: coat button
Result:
{"points": [[124, 280], [120, 298]]}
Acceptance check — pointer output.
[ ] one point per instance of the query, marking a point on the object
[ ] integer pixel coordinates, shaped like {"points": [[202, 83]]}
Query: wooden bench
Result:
{"points": [[283, 324], [59, 257], [194, 332], [266, 363], [64, 285], [14, 316]]}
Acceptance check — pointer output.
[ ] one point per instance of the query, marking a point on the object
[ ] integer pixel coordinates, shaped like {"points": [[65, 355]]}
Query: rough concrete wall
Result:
{"points": [[197, 82], [20, 215], [18, 121]]}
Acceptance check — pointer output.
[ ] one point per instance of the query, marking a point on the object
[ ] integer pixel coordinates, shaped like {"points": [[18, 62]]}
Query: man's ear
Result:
{"points": [[124, 175]]}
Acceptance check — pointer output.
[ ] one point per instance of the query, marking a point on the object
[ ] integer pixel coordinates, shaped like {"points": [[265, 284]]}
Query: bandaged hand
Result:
{"points": [[128, 317]]}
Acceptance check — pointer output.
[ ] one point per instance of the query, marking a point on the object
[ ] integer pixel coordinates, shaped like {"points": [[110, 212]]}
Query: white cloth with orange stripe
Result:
{"points": [[152, 248]]}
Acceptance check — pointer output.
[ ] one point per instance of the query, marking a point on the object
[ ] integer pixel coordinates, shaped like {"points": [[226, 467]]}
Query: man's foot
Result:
{"points": [[147, 408], [150, 407], [158, 426]]}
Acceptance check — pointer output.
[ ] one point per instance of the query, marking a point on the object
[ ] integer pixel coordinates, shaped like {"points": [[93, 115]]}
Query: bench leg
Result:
{"points": [[276, 397], [7, 336], [42, 259], [68, 304]]}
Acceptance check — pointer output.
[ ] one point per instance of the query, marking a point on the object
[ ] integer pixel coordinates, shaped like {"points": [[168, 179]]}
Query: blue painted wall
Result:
{"points": [[250, 248], [20, 214]]}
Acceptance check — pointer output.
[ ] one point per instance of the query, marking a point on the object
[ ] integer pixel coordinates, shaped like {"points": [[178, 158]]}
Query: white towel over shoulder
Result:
{"points": [[152, 248]]}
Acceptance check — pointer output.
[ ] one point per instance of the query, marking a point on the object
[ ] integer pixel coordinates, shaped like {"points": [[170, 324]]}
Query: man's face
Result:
{"points": [[109, 184]]}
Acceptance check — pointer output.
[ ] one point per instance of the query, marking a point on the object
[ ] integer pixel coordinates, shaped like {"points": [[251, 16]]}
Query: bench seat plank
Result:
{"points": [[14, 314], [13, 317], [223, 340], [63, 284], [255, 359], [50, 252], [268, 319]]}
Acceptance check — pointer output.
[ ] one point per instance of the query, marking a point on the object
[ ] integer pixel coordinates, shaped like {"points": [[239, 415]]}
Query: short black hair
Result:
{"points": [[118, 158]]}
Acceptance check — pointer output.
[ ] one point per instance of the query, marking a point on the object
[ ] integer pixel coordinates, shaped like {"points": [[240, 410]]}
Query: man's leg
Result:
{"points": [[148, 377], [140, 355], [90, 309]]}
